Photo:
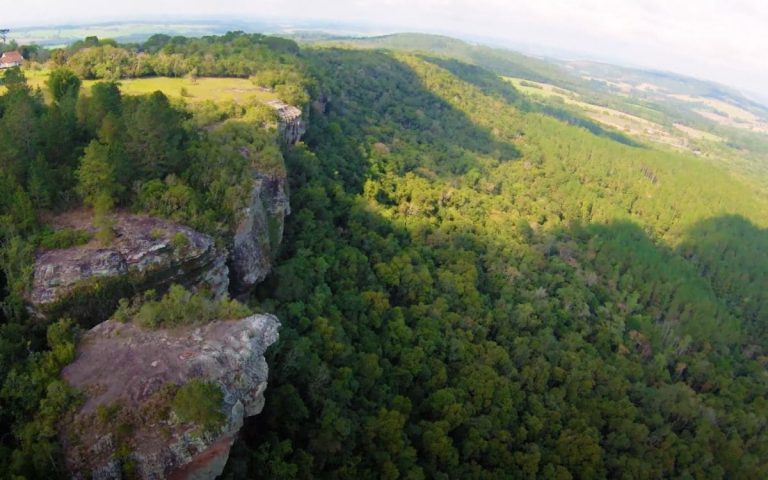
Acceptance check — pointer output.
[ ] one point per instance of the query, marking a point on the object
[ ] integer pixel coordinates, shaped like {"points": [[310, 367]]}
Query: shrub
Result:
{"points": [[182, 307], [64, 238], [200, 402], [180, 242], [107, 413]]}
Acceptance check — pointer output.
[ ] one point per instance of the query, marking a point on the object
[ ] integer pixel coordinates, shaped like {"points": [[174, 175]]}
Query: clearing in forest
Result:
{"points": [[218, 89]]}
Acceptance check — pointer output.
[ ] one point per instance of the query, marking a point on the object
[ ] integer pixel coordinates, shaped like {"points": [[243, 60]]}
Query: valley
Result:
{"points": [[402, 256]]}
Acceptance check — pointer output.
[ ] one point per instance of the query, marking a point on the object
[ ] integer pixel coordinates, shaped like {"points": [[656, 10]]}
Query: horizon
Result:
{"points": [[703, 40], [361, 30]]}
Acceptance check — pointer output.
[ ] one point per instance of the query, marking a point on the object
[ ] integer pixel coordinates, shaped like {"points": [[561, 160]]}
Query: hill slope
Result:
{"points": [[709, 119], [474, 289]]}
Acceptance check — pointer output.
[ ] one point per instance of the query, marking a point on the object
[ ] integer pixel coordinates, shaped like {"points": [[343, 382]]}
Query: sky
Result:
{"points": [[720, 40]]}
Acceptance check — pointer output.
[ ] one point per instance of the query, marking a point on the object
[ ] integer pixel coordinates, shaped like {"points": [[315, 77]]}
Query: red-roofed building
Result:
{"points": [[10, 60]]}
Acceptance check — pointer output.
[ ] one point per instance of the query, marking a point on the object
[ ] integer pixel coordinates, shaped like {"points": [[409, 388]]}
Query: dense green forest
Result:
{"points": [[471, 284], [601, 85], [498, 294]]}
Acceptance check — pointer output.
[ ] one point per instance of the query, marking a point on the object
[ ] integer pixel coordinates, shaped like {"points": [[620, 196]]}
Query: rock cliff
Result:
{"points": [[259, 232], [126, 426], [85, 281], [290, 124]]}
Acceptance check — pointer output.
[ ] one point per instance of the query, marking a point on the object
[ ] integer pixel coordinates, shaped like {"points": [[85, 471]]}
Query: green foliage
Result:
{"points": [[139, 153], [154, 135], [104, 99], [200, 402], [234, 54], [34, 399], [107, 413], [102, 206], [64, 238], [96, 176], [181, 307], [471, 285], [62, 83], [173, 199], [452, 309], [180, 242], [14, 80]]}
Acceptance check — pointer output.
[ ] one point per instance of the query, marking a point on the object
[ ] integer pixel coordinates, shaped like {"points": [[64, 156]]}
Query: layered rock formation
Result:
{"points": [[85, 281], [290, 124], [126, 426], [259, 232]]}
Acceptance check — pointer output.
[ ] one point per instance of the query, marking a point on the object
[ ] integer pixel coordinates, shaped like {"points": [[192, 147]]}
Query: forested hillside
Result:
{"points": [[473, 289], [709, 119], [472, 283]]}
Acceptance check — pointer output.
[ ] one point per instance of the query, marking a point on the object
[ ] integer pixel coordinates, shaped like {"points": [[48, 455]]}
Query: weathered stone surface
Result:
{"points": [[290, 124], [259, 231], [123, 363], [142, 254]]}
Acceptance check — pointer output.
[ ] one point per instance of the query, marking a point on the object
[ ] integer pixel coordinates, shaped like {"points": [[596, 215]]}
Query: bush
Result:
{"points": [[200, 402], [182, 307], [64, 238], [180, 242]]}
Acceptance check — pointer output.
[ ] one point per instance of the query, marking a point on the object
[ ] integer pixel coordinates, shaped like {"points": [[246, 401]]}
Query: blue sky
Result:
{"points": [[721, 40]]}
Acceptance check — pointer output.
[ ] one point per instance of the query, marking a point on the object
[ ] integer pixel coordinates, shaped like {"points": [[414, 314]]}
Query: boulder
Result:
{"points": [[125, 425], [85, 281]]}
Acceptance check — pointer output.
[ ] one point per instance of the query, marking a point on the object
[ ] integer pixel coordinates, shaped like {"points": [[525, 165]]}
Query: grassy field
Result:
{"points": [[677, 137], [239, 90]]}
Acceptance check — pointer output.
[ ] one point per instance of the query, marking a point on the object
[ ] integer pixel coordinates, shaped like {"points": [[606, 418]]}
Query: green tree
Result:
{"points": [[154, 135], [96, 175], [62, 83], [105, 99]]}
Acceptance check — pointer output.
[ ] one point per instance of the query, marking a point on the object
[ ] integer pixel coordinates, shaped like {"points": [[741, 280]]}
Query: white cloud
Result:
{"points": [[714, 39]]}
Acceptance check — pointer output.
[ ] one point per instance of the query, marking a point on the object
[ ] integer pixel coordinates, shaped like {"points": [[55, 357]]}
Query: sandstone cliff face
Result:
{"points": [[146, 253], [128, 371], [259, 232], [290, 124], [125, 428]]}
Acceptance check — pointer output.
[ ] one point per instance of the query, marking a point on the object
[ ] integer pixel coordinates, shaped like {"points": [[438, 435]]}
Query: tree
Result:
{"points": [[104, 99], [98, 188], [19, 133], [63, 82], [154, 135], [96, 174], [14, 80]]}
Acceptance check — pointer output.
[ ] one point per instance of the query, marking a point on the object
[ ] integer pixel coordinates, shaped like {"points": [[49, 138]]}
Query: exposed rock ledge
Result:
{"points": [[120, 363], [290, 124], [259, 232], [143, 255]]}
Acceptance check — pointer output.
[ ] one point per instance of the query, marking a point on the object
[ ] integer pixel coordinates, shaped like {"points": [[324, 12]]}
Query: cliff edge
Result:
{"points": [[129, 425]]}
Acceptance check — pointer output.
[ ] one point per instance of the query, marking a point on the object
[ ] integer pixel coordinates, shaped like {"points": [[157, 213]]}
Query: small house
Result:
{"points": [[10, 59]]}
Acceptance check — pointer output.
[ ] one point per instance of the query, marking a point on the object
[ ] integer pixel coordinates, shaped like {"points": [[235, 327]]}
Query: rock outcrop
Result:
{"points": [[259, 232], [126, 427], [290, 124], [85, 281]]}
